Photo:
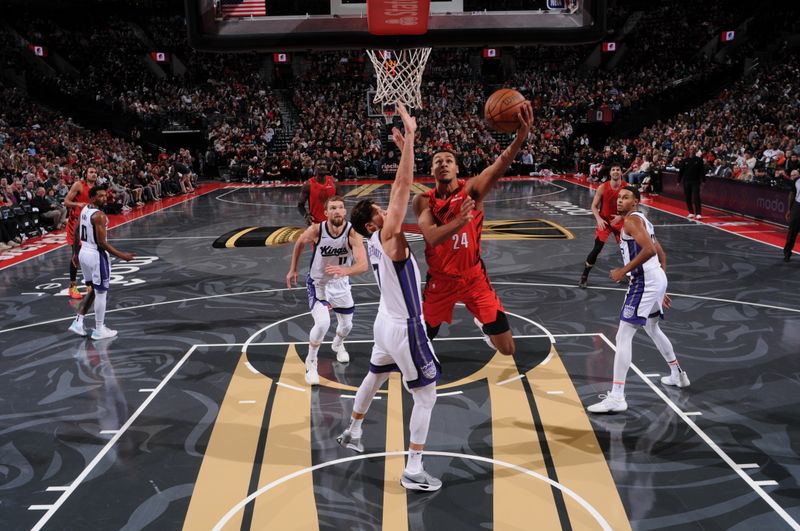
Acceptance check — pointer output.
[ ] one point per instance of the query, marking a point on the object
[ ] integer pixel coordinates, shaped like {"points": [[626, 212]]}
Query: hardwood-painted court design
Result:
{"points": [[197, 416]]}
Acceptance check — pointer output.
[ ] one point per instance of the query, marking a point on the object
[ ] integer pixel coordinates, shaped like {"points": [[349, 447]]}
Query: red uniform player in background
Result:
{"points": [[315, 192]]}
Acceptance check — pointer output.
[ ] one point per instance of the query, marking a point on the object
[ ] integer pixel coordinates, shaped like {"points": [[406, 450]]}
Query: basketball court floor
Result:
{"points": [[197, 416]]}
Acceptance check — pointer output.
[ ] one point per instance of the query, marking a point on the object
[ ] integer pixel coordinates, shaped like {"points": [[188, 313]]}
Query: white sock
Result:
{"points": [[79, 319], [663, 345], [100, 309], [622, 359], [355, 427], [418, 424], [414, 463], [370, 385], [312, 353], [322, 322]]}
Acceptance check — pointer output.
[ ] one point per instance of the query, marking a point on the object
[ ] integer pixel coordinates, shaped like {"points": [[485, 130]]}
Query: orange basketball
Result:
{"points": [[501, 110]]}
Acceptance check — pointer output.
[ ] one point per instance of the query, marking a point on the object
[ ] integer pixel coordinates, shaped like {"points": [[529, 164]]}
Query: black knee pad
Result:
{"points": [[498, 326]]}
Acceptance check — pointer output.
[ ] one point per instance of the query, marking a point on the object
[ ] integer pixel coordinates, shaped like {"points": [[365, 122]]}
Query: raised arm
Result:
{"points": [[401, 187], [309, 235], [480, 186], [99, 220]]}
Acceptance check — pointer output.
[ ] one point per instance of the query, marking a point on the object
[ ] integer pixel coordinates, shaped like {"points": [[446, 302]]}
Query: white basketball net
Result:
{"points": [[399, 74]]}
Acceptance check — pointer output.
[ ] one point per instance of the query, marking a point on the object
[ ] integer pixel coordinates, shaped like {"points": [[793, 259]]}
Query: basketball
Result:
{"points": [[501, 110]]}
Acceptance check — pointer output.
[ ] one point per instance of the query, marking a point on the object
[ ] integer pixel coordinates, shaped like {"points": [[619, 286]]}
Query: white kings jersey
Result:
{"points": [[399, 282], [87, 233], [330, 251], [630, 248]]}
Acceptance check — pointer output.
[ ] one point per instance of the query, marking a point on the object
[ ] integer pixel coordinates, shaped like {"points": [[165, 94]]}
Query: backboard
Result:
{"points": [[290, 25]]}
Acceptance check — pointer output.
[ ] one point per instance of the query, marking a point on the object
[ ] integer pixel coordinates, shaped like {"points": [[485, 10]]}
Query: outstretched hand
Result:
{"points": [[409, 124], [525, 117]]}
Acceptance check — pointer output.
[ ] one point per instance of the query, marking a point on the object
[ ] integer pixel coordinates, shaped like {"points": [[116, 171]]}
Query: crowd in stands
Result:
{"points": [[42, 153], [328, 107], [749, 132]]}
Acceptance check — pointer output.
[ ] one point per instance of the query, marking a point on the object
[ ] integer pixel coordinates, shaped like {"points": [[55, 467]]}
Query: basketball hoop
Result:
{"points": [[399, 75], [388, 115]]}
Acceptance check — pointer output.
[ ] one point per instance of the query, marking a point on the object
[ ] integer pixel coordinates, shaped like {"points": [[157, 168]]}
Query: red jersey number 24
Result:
{"points": [[460, 240]]}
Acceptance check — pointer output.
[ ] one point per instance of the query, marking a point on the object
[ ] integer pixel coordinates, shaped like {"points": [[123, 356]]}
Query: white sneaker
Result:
{"points": [[420, 481], [690, 216], [682, 380], [346, 440], [698, 217], [103, 333], [4, 246], [312, 376], [78, 328], [486, 338], [342, 356], [611, 403]]}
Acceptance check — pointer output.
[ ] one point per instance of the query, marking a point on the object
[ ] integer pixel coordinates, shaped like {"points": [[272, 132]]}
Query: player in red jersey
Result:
{"points": [[604, 208], [77, 198], [315, 192], [451, 219]]}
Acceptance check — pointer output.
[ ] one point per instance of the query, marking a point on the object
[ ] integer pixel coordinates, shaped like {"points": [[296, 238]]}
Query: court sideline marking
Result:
{"points": [[719, 451], [87, 470], [572, 494], [650, 205], [366, 284]]}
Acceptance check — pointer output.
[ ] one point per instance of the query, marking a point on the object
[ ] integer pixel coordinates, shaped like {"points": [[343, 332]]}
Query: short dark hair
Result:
{"points": [[361, 214], [635, 191], [615, 165], [445, 150], [94, 189]]}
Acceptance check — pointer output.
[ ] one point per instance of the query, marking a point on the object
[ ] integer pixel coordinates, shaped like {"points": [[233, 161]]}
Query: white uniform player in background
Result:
{"points": [[338, 252], [90, 239], [400, 339], [645, 263]]}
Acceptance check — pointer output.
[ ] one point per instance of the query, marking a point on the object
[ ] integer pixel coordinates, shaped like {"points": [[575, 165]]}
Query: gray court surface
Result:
{"points": [[112, 434]]}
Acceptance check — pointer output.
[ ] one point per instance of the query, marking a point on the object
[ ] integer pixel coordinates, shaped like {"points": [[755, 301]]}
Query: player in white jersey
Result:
{"points": [[645, 263], [338, 252], [90, 248], [400, 339]]}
